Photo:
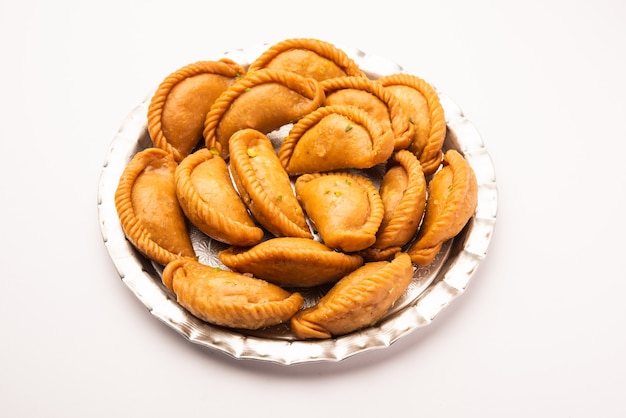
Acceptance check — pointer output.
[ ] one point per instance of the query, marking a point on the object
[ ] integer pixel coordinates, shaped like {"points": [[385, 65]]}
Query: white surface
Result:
{"points": [[540, 330]]}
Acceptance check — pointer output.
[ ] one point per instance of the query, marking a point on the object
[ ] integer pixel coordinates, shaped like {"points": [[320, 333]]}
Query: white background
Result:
{"points": [[539, 331]]}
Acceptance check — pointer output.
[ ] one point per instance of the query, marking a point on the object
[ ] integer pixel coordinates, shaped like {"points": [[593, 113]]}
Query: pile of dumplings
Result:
{"points": [[303, 213]]}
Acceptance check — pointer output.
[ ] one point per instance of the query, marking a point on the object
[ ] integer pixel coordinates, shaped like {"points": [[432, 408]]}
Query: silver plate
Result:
{"points": [[432, 289]]}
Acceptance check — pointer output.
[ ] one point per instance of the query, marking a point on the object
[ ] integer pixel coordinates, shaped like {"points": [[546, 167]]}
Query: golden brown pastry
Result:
{"points": [[377, 101], [264, 185], [179, 107], [291, 262], [379, 254], [149, 212], [309, 58], [333, 138], [207, 196], [229, 299], [345, 208], [263, 100], [421, 102], [452, 200], [403, 192], [358, 300]]}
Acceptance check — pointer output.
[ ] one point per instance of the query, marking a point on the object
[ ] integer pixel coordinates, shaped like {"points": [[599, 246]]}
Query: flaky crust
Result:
{"points": [[345, 208], [452, 201], [278, 97], [291, 262], [309, 58], [334, 138], [149, 212], [403, 192], [180, 104], [358, 300], [379, 254], [208, 198], [265, 186], [372, 97], [420, 102], [229, 299]]}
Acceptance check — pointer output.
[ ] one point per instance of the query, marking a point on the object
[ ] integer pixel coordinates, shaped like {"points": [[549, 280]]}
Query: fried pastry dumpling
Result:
{"points": [[358, 300], [180, 104], [291, 262], [207, 196], [372, 97], [345, 208], [421, 103], [333, 138], [403, 192], [309, 58], [263, 100], [452, 200], [264, 185], [229, 299], [149, 212]]}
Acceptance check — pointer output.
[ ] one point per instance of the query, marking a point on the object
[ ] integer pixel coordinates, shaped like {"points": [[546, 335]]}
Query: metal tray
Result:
{"points": [[432, 289]]}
